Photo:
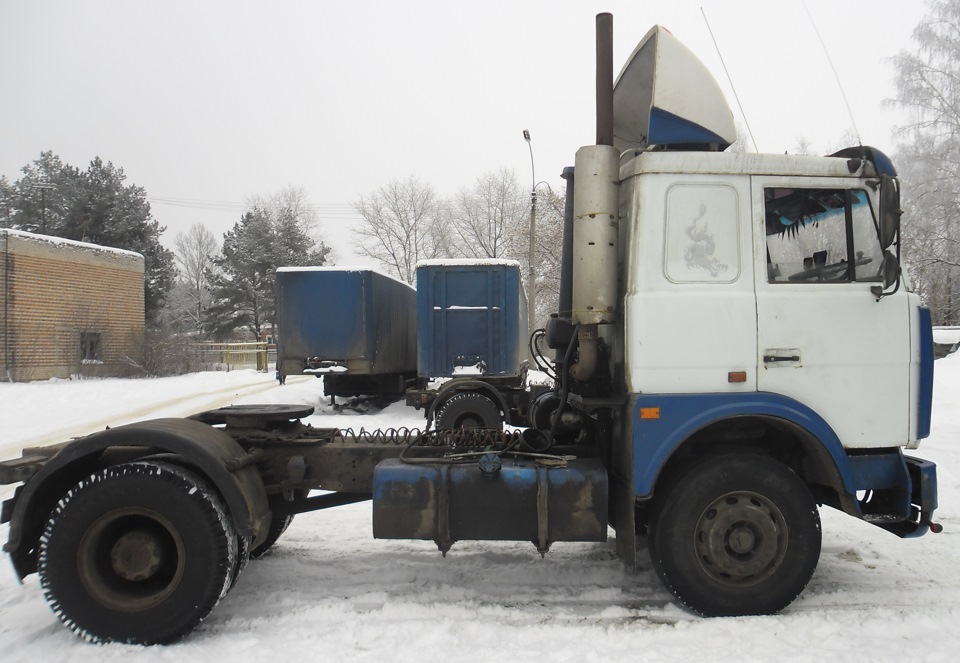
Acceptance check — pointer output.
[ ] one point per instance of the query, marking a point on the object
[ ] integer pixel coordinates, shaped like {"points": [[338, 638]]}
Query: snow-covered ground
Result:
{"points": [[329, 592]]}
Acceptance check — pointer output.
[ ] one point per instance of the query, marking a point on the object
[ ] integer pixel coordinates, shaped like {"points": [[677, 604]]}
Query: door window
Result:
{"points": [[820, 236]]}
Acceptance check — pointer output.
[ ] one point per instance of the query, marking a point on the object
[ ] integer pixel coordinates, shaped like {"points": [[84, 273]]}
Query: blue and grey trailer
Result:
{"points": [[472, 318], [355, 327], [471, 332]]}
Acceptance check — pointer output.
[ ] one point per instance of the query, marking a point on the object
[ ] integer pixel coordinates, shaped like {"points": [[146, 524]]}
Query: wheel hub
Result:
{"points": [[130, 559], [742, 540], [469, 421], [137, 555]]}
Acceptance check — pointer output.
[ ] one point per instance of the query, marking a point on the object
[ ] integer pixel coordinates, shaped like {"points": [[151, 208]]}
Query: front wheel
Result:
{"points": [[137, 553], [737, 534]]}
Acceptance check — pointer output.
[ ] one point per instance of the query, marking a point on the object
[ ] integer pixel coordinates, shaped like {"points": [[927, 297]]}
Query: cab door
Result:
{"points": [[823, 339]]}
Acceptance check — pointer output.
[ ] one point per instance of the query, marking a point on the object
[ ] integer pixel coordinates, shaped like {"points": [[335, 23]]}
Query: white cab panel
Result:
{"points": [[689, 308]]}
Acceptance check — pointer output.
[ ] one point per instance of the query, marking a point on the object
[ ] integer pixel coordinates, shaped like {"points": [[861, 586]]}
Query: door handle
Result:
{"points": [[781, 358], [771, 359]]}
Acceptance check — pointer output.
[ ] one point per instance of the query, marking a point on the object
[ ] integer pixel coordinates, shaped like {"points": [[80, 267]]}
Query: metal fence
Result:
{"points": [[233, 356]]}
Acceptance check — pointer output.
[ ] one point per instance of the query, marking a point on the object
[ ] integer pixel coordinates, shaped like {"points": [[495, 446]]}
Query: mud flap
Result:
{"points": [[623, 505]]}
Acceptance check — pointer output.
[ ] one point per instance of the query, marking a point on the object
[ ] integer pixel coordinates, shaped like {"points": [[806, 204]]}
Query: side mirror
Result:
{"points": [[890, 211], [890, 270]]}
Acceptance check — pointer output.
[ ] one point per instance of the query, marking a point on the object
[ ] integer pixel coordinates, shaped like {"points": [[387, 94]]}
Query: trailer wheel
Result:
{"points": [[737, 534], [469, 410], [137, 553]]}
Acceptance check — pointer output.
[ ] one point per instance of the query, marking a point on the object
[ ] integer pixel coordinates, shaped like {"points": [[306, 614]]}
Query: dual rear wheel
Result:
{"points": [[138, 553]]}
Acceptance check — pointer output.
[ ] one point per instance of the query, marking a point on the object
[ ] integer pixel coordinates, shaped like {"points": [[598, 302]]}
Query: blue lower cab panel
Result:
{"points": [[517, 501]]}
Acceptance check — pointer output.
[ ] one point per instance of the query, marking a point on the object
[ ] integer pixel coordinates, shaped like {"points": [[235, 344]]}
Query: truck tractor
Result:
{"points": [[736, 346]]}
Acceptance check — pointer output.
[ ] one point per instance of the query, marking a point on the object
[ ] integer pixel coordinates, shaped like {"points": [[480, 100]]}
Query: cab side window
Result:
{"points": [[820, 235], [702, 234]]}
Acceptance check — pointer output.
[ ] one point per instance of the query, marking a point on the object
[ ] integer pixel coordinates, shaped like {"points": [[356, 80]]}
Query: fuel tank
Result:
{"points": [[491, 498]]}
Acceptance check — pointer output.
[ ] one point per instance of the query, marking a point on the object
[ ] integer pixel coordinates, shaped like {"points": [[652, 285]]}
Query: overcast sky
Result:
{"points": [[205, 103]]}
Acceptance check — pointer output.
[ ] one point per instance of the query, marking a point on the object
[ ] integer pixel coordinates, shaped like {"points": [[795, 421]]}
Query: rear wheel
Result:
{"points": [[737, 534], [469, 410], [278, 523], [137, 553]]}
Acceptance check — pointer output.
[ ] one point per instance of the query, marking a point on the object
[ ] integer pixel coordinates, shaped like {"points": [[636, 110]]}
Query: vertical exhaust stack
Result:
{"points": [[604, 79], [596, 207], [566, 256]]}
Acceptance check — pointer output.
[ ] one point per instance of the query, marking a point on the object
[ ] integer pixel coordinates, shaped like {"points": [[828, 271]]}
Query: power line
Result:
{"points": [[322, 210]]}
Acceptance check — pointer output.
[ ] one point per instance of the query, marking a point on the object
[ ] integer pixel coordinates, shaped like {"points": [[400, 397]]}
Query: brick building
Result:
{"points": [[67, 308]]}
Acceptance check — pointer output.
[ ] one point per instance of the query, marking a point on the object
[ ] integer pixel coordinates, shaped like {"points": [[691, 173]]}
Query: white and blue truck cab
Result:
{"points": [[738, 325], [758, 291], [736, 345]]}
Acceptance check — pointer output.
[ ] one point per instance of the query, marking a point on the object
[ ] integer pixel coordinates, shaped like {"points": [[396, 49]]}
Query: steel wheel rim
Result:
{"points": [[741, 539], [131, 559]]}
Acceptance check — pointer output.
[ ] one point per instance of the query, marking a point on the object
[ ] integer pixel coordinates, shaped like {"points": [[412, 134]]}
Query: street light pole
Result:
{"points": [[531, 269]]}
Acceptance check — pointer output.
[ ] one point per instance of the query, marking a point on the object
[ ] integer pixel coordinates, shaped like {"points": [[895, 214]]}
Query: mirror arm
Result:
{"points": [[877, 290]]}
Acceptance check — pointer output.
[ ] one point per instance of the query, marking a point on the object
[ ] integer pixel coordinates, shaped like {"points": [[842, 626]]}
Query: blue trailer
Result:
{"points": [[355, 327], [471, 331], [472, 318]]}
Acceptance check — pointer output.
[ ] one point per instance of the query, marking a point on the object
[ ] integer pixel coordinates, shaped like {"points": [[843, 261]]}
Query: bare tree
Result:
{"points": [[803, 147], [549, 247], [492, 220], [848, 138], [744, 142], [928, 85], [486, 215], [195, 251], [292, 202], [931, 227], [402, 224]]}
